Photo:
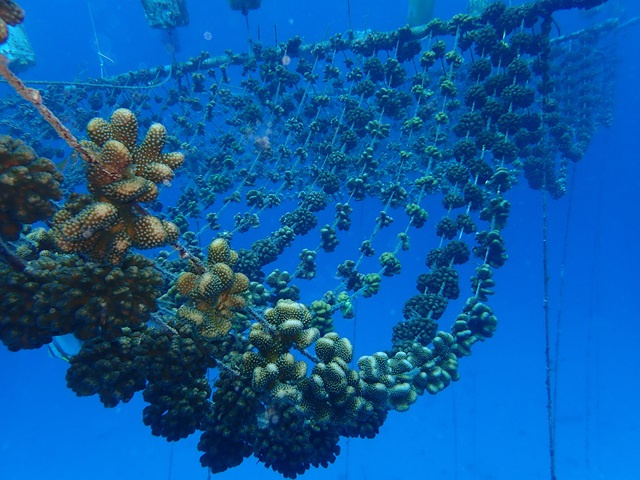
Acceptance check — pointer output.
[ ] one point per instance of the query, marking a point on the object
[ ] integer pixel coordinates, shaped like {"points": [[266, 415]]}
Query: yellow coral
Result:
{"points": [[215, 293], [124, 128], [219, 252], [27, 186], [94, 217], [186, 283], [151, 232], [99, 131], [331, 346]]}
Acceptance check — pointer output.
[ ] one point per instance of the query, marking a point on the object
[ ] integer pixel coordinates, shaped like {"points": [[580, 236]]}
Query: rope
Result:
{"points": [[545, 261], [565, 253], [102, 85], [592, 359]]}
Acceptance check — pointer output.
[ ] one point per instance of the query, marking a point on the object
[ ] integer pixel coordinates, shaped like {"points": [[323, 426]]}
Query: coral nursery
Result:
{"points": [[132, 248]]}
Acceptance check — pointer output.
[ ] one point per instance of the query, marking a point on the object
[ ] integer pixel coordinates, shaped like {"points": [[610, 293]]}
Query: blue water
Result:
{"points": [[492, 424]]}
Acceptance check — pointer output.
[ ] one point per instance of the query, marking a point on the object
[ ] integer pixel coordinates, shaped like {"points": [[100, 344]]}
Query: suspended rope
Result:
{"points": [[545, 303], [559, 317], [592, 353]]}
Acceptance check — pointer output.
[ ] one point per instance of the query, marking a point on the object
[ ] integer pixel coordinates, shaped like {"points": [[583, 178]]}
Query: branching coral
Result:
{"points": [[286, 387], [61, 294], [306, 413], [114, 369], [109, 221], [215, 292], [28, 185]]}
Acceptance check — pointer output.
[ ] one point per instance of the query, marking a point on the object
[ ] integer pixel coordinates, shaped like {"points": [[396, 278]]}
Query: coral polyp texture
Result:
{"points": [[409, 142], [59, 294], [122, 174], [215, 292], [28, 186]]}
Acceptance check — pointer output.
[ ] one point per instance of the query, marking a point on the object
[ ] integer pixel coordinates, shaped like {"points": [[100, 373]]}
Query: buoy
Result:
{"points": [[420, 12], [244, 5]]}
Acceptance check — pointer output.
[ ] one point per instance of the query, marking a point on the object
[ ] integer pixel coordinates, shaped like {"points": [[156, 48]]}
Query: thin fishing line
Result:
{"points": [[455, 434], [354, 336]]}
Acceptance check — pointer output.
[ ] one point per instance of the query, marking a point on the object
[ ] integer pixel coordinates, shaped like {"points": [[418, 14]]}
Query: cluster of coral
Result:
{"points": [[57, 294], [109, 221], [28, 184], [168, 365], [215, 292]]}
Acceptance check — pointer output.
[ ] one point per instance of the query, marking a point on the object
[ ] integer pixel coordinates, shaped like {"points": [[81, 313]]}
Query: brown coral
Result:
{"points": [[107, 223], [27, 186], [10, 14], [61, 294]]}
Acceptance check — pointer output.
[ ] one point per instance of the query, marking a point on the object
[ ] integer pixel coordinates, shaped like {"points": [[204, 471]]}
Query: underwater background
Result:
{"points": [[492, 424]]}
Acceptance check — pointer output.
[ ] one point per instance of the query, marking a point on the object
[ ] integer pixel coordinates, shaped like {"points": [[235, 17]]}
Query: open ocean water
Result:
{"points": [[493, 422]]}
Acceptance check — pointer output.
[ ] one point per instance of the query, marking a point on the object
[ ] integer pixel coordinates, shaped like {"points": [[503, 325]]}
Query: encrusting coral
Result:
{"points": [[122, 174]]}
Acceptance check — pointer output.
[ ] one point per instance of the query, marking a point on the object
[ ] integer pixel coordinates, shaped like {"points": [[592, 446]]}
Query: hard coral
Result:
{"points": [[10, 14], [61, 294], [215, 293], [107, 223], [28, 184]]}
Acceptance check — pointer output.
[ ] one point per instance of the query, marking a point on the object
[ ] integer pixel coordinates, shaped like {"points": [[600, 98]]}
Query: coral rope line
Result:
{"points": [[104, 84], [33, 96], [565, 254], [545, 306]]}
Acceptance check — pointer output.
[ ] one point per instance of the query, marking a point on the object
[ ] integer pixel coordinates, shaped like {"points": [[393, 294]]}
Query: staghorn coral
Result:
{"points": [[109, 221], [215, 292], [28, 185]]}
